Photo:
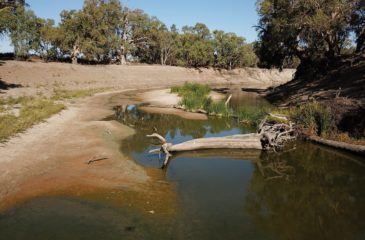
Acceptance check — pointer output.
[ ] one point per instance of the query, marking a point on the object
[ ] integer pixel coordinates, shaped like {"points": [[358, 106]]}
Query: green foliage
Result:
{"points": [[251, 115], [104, 31], [5, 18], [195, 47], [93, 29], [231, 51], [193, 102], [195, 97], [310, 31], [217, 108], [313, 116], [25, 31], [32, 112], [189, 89]]}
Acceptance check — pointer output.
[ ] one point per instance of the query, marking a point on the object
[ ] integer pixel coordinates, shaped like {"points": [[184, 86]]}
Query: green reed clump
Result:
{"points": [[313, 116], [196, 96], [218, 108], [189, 89], [194, 102], [251, 115]]}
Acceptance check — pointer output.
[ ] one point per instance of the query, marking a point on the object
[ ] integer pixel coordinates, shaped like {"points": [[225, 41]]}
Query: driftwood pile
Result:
{"points": [[270, 136]]}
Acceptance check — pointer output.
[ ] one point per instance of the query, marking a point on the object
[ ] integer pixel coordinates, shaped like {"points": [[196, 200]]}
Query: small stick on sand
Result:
{"points": [[96, 160]]}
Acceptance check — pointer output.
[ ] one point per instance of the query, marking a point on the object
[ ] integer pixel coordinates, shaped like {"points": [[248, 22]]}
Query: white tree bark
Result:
{"points": [[268, 137], [123, 47], [74, 54]]}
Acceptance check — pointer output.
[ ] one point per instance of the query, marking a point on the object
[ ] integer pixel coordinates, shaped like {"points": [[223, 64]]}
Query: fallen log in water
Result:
{"points": [[269, 137], [358, 149]]}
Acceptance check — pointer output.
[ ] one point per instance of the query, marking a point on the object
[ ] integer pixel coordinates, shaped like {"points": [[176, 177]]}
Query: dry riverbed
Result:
{"points": [[51, 159]]}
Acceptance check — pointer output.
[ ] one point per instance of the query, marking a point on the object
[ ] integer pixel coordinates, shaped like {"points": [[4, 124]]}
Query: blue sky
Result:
{"points": [[238, 16]]}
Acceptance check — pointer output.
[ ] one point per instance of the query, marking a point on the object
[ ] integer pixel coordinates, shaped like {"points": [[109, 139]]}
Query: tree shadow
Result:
{"points": [[6, 86]]}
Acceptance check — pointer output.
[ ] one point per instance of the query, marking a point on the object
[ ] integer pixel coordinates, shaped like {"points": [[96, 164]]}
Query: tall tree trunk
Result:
{"points": [[123, 55], [75, 53], [123, 47], [161, 57]]}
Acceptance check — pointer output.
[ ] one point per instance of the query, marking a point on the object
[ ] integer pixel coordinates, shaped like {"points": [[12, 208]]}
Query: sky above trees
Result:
{"points": [[230, 15]]}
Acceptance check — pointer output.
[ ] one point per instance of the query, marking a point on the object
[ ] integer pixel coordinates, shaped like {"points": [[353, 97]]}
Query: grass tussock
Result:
{"points": [[32, 111], [218, 108], [344, 137], [190, 89], [194, 102], [313, 116], [196, 96], [251, 115]]}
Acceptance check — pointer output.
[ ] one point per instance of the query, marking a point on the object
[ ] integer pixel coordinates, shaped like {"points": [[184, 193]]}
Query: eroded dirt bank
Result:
{"points": [[19, 78]]}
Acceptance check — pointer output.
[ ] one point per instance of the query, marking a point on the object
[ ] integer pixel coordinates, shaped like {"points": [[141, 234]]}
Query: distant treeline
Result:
{"points": [[104, 32]]}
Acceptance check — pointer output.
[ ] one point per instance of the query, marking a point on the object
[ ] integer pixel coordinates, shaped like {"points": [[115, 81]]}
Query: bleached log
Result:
{"points": [[268, 137], [246, 141], [158, 136]]}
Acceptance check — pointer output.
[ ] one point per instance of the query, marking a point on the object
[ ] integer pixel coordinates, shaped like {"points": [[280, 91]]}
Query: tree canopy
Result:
{"points": [[104, 31], [310, 31]]}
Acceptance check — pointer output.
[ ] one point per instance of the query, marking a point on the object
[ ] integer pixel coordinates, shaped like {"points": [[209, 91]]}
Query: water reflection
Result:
{"points": [[306, 192], [323, 199], [174, 128]]}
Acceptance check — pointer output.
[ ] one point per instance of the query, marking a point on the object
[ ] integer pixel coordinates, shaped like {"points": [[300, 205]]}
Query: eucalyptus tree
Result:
{"points": [[167, 41], [25, 32], [310, 30], [5, 16], [232, 51], [91, 31], [49, 40], [195, 46], [70, 34], [133, 31], [9, 9], [100, 21], [145, 33]]}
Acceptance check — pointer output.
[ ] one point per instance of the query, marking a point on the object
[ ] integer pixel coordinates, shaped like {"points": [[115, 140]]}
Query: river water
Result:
{"points": [[306, 192]]}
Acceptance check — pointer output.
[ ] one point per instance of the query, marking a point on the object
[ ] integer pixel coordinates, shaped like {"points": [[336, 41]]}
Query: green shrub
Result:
{"points": [[313, 116]]}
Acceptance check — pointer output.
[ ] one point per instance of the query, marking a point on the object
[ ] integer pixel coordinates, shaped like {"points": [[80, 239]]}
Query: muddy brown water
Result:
{"points": [[307, 192]]}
